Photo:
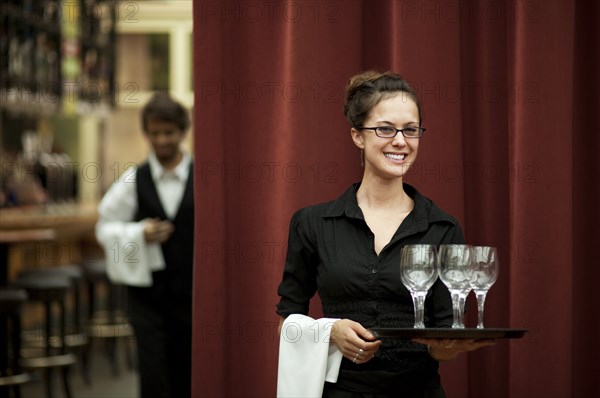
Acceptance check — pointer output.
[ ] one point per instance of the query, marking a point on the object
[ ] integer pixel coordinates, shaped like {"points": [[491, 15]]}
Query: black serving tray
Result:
{"points": [[449, 333]]}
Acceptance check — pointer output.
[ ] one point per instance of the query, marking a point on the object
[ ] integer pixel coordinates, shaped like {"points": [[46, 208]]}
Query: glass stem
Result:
{"points": [[462, 299], [480, 303], [419, 304], [456, 323]]}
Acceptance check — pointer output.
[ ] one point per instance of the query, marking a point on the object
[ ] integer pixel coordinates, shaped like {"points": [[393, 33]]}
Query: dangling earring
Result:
{"points": [[362, 157]]}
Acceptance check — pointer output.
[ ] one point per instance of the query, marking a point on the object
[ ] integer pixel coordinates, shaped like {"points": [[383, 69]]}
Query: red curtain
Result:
{"points": [[509, 92]]}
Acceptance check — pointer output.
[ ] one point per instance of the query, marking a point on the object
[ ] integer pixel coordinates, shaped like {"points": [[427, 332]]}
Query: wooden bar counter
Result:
{"points": [[42, 236]]}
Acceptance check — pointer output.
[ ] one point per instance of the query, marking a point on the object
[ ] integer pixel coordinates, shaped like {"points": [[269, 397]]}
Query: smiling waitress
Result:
{"points": [[349, 251]]}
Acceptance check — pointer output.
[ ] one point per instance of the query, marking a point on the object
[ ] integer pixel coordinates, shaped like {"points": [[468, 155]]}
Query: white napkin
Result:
{"points": [[134, 263], [306, 359]]}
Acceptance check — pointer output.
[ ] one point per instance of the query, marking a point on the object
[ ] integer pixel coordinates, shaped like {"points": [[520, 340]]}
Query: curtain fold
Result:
{"points": [[509, 92], [485, 164], [586, 196], [541, 278]]}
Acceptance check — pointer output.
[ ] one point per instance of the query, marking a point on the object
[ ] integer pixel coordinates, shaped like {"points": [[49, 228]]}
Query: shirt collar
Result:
{"points": [[181, 171], [424, 211], [345, 204]]}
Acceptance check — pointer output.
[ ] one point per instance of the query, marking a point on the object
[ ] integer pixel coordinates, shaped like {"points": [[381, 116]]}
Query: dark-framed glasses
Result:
{"points": [[391, 132]]}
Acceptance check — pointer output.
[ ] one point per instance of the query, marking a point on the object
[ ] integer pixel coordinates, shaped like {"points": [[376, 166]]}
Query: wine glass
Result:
{"points": [[454, 271], [484, 272], [418, 272]]}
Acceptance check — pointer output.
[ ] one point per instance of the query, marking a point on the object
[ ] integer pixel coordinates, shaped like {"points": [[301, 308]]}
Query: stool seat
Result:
{"points": [[12, 300], [95, 271], [72, 271], [44, 287]]}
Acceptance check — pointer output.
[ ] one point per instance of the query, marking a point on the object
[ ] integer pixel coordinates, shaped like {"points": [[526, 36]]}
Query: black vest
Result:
{"points": [[178, 250]]}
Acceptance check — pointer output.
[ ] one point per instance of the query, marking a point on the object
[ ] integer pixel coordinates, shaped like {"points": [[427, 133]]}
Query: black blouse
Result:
{"points": [[331, 250]]}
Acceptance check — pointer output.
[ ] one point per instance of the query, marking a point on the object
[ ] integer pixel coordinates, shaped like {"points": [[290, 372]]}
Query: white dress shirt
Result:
{"points": [[129, 258]]}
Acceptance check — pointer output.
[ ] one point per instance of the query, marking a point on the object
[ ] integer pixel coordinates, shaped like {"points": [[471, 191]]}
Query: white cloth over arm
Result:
{"points": [[129, 258], [306, 358]]}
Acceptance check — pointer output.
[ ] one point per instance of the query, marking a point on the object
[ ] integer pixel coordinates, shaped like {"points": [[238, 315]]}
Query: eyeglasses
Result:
{"points": [[391, 132]]}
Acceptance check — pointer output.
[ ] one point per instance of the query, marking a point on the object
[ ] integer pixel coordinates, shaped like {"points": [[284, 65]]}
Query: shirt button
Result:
{"points": [[373, 271]]}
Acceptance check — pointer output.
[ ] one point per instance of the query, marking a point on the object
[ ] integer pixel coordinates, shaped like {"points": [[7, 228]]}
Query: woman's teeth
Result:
{"points": [[395, 156]]}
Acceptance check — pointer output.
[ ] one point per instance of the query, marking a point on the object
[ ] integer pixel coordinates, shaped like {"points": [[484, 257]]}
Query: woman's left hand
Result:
{"points": [[445, 349]]}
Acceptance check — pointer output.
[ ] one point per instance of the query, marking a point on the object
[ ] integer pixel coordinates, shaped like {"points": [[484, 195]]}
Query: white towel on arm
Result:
{"points": [[306, 359], [129, 258]]}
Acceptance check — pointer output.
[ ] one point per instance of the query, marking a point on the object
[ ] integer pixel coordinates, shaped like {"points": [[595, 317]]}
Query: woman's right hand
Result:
{"points": [[354, 341]]}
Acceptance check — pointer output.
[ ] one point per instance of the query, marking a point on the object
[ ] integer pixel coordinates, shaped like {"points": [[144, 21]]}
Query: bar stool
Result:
{"points": [[108, 322], [11, 374], [75, 334], [49, 290]]}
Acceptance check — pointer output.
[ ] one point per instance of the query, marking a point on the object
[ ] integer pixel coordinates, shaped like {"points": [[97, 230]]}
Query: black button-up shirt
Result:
{"points": [[331, 250]]}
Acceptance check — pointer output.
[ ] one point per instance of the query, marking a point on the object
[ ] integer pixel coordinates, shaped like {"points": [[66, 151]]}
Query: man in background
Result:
{"points": [[146, 227]]}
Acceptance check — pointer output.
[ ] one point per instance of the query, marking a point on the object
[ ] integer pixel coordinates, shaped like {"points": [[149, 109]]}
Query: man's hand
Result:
{"points": [[157, 231]]}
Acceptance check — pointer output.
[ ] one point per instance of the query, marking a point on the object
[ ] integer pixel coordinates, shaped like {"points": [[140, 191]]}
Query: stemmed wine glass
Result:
{"points": [[484, 272], [454, 271], [418, 272]]}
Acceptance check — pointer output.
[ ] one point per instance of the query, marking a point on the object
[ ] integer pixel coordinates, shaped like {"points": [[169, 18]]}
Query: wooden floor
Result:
{"points": [[103, 383]]}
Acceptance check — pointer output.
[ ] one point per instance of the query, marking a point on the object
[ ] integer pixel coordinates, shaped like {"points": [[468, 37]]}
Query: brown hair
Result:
{"points": [[369, 88], [162, 107]]}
